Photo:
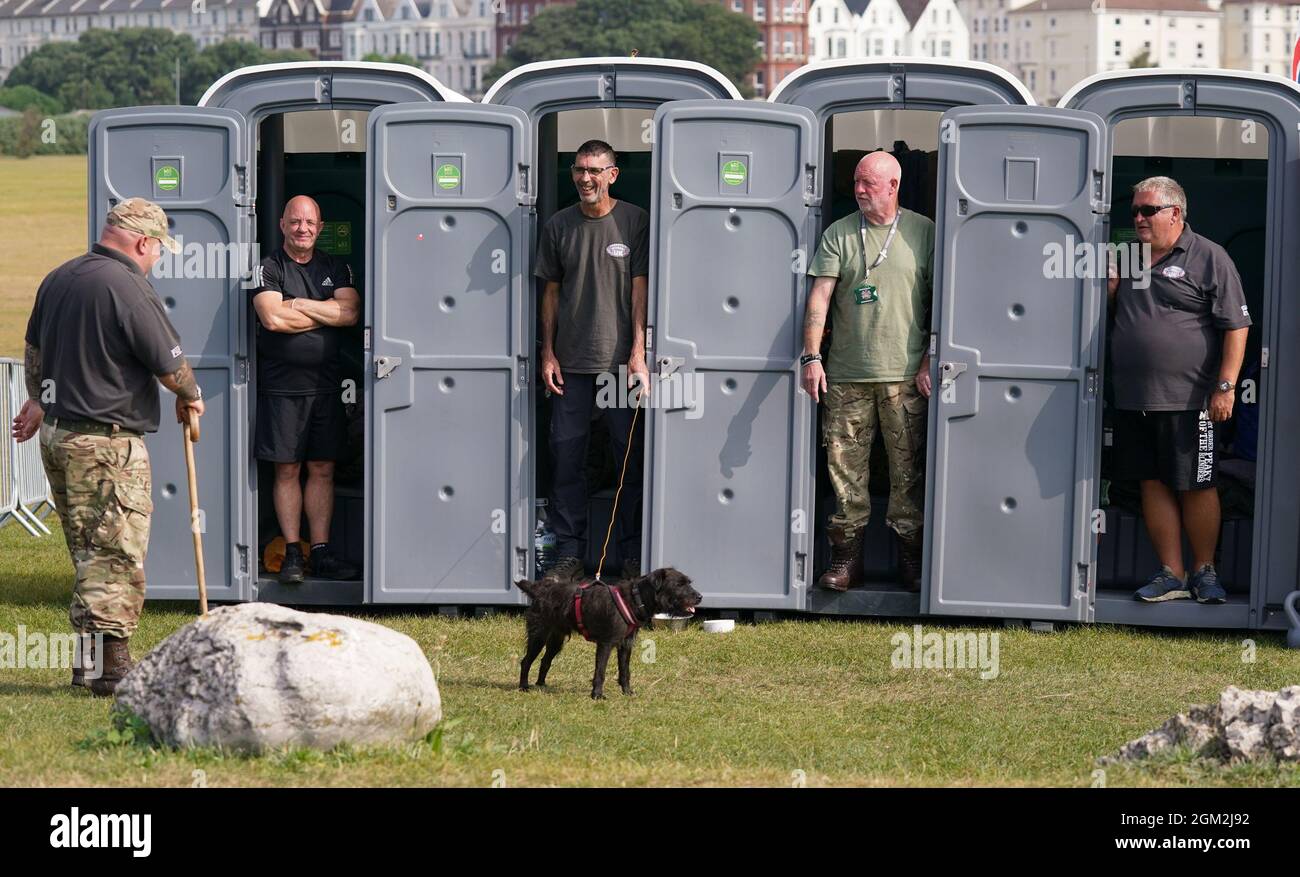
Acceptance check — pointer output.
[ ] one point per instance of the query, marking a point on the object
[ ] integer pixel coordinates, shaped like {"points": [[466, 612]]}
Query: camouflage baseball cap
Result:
{"points": [[145, 217]]}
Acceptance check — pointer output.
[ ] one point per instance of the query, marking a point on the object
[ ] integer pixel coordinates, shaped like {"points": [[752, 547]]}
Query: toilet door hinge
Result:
{"points": [[523, 371], [1263, 358], [1092, 384], [384, 366], [241, 370], [649, 337]]}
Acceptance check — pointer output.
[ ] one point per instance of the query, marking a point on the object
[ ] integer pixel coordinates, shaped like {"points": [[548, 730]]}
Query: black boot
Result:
{"points": [[292, 569]]}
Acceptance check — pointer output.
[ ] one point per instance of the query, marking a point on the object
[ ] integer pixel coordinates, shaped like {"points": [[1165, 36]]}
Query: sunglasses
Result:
{"points": [[1150, 210]]}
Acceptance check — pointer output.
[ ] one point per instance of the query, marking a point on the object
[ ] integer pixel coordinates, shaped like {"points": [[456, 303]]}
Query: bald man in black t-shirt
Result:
{"points": [[304, 299]]}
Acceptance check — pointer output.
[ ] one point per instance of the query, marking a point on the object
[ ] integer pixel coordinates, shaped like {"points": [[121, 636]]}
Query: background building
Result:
{"points": [[451, 39], [886, 28], [1259, 36], [26, 25], [1052, 44]]}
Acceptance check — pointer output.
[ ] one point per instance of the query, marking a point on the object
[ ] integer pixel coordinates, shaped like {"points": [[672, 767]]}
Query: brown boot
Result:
{"points": [[909, 560], [116, 664], [845, 570], [83, 658]]}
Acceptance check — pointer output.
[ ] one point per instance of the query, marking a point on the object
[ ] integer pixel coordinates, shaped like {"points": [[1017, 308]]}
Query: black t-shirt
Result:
{"points": [[103, 337], [1167, 342], [300, 363], [594, 261]]}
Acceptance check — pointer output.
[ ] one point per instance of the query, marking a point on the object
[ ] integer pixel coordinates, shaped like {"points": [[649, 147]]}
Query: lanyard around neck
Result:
{"points": [[884, 251]]}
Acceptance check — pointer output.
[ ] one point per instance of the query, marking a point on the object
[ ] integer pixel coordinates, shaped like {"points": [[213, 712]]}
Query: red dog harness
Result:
{"points": [[619, 602]]}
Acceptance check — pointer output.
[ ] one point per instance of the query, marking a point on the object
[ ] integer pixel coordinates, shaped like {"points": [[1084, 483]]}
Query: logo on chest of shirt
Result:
{"points": [[327, 282], [1173, 272], [618, 251]]}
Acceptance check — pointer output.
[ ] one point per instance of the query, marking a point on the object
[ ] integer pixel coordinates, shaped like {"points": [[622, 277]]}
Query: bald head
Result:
{"points": [[875, 186], [300, 225]]}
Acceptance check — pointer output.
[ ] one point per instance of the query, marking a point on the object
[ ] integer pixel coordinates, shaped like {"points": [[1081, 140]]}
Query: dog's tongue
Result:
{"points": [[690, 609]]}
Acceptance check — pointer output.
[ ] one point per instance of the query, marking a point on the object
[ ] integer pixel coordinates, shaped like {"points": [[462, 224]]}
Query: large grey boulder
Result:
{"points": [[1243, 726], [259, 676]]}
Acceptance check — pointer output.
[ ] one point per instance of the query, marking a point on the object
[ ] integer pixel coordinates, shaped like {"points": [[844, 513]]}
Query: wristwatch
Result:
{"points": [[1225, 386]]}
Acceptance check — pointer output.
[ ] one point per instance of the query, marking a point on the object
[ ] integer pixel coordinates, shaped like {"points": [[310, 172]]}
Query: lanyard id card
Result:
{"points": [[867, 293]]}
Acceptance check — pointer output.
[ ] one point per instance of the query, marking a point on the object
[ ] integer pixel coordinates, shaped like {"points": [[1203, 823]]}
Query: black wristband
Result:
{"points": [[809, 357]]}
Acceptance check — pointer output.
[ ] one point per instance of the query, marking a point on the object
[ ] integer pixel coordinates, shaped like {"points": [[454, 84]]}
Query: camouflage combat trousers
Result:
{"points": [[853, 412], [101, 489]]}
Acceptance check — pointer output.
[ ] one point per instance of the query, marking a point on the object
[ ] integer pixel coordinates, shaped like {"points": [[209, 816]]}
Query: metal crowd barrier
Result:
{"points": [[24, 492]]}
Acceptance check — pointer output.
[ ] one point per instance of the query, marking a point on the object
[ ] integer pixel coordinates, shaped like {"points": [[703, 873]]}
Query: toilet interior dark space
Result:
{"points": [[1225, 174], [320, 153], [911, 136], [559, 136]]}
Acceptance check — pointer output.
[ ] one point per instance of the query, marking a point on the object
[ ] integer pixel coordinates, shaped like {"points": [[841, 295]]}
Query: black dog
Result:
{"points": [[559, 608]]}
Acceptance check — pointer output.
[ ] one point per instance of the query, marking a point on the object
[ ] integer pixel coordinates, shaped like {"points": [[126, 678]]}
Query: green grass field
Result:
{"points": [[774, 704], [42, 225]]}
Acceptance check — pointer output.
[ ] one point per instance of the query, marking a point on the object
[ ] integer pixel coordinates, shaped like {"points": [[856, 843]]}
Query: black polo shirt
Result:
{"points": [[300, 363], [1167, 339], [103, 337]]}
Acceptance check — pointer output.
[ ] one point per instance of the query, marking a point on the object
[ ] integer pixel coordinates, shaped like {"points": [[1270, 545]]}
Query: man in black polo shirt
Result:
{"points": [[1176, 350], [97, 339], [594, 258], [303, 299]]}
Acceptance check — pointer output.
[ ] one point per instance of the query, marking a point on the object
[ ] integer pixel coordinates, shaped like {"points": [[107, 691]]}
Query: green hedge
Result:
{"points": [[28, 134]]}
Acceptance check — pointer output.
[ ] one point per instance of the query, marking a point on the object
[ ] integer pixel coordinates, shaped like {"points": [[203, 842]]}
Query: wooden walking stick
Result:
{"points": [[191, 430]]}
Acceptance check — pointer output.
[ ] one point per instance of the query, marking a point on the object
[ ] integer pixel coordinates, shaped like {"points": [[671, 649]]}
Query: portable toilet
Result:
{"points": [[223, 170], [743, 193], [456, 392], [1229, 138]]}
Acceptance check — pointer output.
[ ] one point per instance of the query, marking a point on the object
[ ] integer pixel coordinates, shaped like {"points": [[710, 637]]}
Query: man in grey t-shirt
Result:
{"points": [[1176, 350], [594, 257]]}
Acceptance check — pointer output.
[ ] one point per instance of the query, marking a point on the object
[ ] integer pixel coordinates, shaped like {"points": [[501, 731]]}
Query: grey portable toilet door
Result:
{"points": [[1015, 413], [729, 482], [191, 161], [446, 258]]}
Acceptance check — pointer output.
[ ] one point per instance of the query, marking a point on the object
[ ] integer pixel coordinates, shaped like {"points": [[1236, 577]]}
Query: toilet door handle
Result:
{"points": [[384, 366], [948, 372]]}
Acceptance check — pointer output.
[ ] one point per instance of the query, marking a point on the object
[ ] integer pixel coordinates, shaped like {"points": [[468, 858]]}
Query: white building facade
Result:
{"points": [[886, 28], [1052, 44], [26, 25], [451, 39], [1259, 36]]}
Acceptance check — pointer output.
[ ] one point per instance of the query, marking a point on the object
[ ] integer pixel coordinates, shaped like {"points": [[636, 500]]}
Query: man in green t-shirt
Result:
{"points": [[873, 273]]}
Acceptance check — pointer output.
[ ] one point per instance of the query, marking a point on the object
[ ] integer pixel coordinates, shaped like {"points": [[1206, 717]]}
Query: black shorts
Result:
{"points": [[1174, 447], [291, 429]]}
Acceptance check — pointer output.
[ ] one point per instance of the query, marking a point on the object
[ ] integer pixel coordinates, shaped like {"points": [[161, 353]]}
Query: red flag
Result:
{"points": [[1295, 59]]}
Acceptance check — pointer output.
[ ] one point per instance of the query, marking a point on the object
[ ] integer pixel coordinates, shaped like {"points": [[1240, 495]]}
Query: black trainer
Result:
{"points": [[291, 570], [325, 564], [566, 568]]}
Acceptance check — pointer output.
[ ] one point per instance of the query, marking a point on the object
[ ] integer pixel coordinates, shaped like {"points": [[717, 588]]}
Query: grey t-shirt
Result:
{"points": [[103, 337], [1168, 339], [594, 261]]}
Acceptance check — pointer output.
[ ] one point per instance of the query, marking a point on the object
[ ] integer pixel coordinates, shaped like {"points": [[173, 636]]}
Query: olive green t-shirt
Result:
{"points": [[882, 340]]}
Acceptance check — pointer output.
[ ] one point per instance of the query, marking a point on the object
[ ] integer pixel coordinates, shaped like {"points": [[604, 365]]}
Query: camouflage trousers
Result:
{"points": [[854, 410], [101, 490]]}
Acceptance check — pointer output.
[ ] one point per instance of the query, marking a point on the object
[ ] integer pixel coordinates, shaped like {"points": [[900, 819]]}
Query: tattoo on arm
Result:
{"points": [[182, 382], [32, 374]]}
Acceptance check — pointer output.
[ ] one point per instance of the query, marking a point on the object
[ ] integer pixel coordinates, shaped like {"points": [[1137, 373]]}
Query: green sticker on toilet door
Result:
{"points": [[167, 178]]}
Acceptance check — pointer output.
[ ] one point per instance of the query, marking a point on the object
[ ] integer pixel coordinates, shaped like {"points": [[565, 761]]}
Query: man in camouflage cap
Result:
{"points": [[96, 341]]}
